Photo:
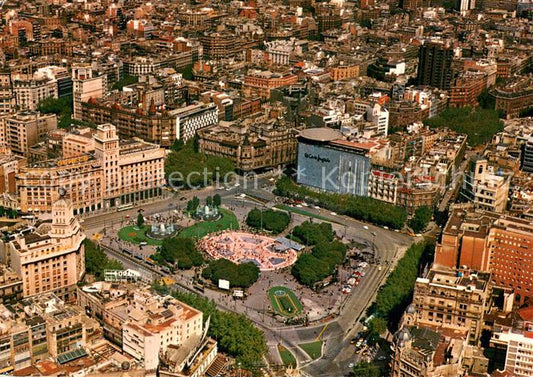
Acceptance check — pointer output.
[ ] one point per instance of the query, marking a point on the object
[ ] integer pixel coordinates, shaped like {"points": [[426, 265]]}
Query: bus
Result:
{"points": [[126, 251], [124, 207]]}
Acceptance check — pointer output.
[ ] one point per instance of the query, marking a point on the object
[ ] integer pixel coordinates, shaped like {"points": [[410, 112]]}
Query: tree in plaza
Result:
{"points": [[239, 275], [2, 211], [179, 250], [193, 204], [421, 219], [268, 219], [140, 220], [366, 369], [217, 200], [209, 201], [96, 262]]}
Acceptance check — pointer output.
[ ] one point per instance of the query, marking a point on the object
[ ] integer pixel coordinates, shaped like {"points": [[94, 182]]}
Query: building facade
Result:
{"points": [[435, 65], [30, 91], [251, 145], [24, 129], [327, 162], [52, 258], [453, 299], [10, 286], [118, 174], [486, 188]]}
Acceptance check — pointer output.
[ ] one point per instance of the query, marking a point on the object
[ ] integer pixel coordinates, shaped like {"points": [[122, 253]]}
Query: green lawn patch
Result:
{"points": [[303, 212], [479, 124], [203, 228], [313, 349], [287, 357], [136, 235], [284, 301]]}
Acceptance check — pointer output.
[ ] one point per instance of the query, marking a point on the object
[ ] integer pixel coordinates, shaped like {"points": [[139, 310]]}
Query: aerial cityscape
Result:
{"points": [[245, 188]]}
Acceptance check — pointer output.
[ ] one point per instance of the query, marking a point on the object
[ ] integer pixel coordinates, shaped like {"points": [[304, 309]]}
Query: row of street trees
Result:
{"points": [[268, 219], [235, 333], [358, 207]]}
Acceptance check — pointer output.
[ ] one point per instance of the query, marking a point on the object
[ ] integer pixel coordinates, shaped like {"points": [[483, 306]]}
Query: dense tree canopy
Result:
{"points": [[96, 261], [62, 107], [313, 233], [366, 369], [310, 268], [180, 250], [395, 295], [125, 81], [479, 124], [235, 333], [269, 219], [421, 219], [193, 204], [239, 275], [358, 207], [187, 168]]}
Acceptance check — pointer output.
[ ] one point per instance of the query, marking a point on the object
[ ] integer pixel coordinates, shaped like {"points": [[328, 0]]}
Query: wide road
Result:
{"points": [[338, 353]]}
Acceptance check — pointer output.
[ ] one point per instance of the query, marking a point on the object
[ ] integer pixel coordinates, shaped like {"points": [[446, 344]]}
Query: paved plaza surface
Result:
{"points": [[334, 317], [240, 247]]}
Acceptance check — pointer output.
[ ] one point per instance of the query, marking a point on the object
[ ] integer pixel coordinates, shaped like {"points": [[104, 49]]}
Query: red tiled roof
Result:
{"points": [[526, 313]]}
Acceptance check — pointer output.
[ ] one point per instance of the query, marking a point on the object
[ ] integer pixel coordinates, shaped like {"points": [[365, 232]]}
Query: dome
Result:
{"points": [[411, 309], [323, 134], [403, 335]]}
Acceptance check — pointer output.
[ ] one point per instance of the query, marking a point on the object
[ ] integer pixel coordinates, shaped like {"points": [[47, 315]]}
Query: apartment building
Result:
{"points": [[119, 173], [486, 241], [219, 45], [527, 157], [251, 144], [345, 70], [7, 99], [453, 299], [85, 86], [141, 65], [422, 351], [40, 183], [467, 88], [156, 325], [10, 165], [10, 286], [24, 129], [108, 304], [383, 186], [509, 246], [514, 98], [435, 64], [41, 329], [77, 143], [260, 83], [518, 344], [485, 186], [463, 239], [193, 118], [51, 258], [30, 90]]}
